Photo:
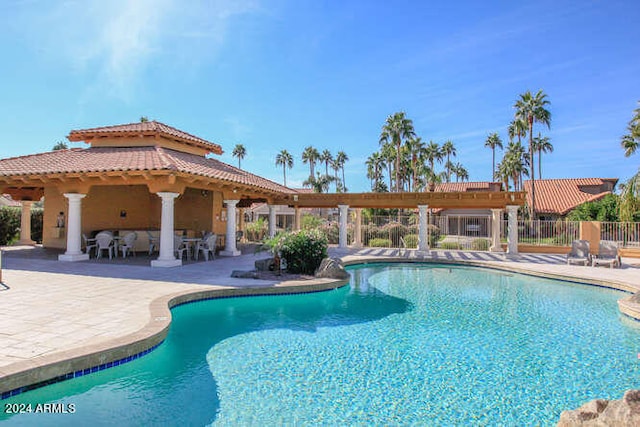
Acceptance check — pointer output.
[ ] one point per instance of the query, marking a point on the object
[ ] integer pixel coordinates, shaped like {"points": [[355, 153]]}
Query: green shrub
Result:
{"points": [[434, 235], [380, 243], [369, 231], [450, 245], [331, 231], [36, 224], [255, 231], [411, 240], [9, 224], [308, 221], [480, 244], [303, 250]]}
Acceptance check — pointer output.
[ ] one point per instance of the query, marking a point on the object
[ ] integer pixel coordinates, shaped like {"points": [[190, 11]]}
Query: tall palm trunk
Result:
{"points": [[493, 175], [533, 169], [540, 164]]}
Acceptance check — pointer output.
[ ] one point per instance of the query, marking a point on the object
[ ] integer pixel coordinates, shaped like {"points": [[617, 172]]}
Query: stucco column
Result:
{"points": [[25, 224], [74, 229], [230, 241], [342, 239], [272, 220], [358, 229], [423, 229], [512, 236], [496, 217], [297, 219], [167, 257]]}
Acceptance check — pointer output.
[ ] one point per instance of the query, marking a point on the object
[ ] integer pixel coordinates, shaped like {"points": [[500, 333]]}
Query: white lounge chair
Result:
{"points": [[207, 247], [179, 247], [607, 254], [127, 244], [153, 242], [104, 241], [580, 253]]}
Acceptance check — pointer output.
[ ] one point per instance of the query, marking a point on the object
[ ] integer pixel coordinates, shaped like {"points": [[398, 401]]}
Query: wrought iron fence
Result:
{"points": [[544, 232], [390, 231], [626, 234]]}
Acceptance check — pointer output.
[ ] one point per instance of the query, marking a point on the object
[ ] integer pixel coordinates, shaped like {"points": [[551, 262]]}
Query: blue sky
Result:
{"points": [[284, 74]]}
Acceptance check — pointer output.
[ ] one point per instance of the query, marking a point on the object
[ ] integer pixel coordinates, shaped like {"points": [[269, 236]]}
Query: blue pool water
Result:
{"points": [[403, 344]]}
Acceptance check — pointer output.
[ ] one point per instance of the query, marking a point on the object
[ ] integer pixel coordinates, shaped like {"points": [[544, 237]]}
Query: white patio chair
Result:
{"points": [[127, 243], [89, 244], [580, 253], [607, 254], [179, 247], [207, 247], [104, 241], [153, 242]]}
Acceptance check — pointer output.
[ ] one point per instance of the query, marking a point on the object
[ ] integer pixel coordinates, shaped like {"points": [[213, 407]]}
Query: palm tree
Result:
{"points": [[448, 149], [144, 119], [320, 183], [493, 141], [432, 152], [326, 157], [415, 147], [240, 152], [285, 160], [460, 172], [514, 163], [517, 129], [375, 164], [541, 145], [532, 109], [341, 159], [310, 155], [630, 141], [388, 153], [60, 145], [396, 129]]}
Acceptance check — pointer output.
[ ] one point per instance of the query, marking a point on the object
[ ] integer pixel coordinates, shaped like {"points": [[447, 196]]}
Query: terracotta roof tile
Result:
{"points": [[103, 159], [560, 196], [152, 128]]}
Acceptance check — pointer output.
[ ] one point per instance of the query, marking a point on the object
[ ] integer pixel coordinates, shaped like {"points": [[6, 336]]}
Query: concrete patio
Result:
{"points": [[58, 317]]}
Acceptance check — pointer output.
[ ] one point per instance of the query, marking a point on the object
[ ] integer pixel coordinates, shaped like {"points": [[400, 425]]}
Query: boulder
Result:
{"points": [[265, 264], [332, 268], [600, 412], [239, 274]]}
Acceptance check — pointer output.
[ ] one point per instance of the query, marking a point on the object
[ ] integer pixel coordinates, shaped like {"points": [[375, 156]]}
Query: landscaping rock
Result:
{"points": [[265, 264], [238, 274], [600, 412], [332, 268]]}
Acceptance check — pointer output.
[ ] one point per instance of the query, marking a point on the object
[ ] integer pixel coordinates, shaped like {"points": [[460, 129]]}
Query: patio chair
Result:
{"points": [[153, 242], [207, 247], [104, 241], [607, 254], [580, 253], [180, 247], [89, 244], [127, 244]]}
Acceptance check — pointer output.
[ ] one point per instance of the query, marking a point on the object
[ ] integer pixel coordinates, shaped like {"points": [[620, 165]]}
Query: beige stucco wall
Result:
{"points": [[102, 207]]}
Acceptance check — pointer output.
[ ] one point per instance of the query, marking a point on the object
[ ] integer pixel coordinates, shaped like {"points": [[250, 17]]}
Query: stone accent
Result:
{"points": [[266, 264], [332, 268], [239, 274], [601, 412]]}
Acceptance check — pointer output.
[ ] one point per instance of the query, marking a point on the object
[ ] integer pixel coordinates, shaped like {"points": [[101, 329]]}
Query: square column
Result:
{"points": [[167, 257], [74, 229], [342, 239], [423, 229], [25, 224], [512, 236], [358, 229], [230, 241], [496, 216], [272, 220]]}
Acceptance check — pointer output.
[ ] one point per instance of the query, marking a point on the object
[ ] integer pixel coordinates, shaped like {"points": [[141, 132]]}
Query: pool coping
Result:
{"points": [[29, 374]]}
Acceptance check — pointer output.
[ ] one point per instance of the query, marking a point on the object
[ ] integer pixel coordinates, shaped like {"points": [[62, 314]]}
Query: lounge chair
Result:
{"points": [[89, 244], [153, 242], [179, 247], [580, 253], [607, 254]]}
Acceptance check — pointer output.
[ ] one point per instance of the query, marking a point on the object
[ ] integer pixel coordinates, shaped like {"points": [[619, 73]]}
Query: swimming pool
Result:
{"points": [[403, 343]]}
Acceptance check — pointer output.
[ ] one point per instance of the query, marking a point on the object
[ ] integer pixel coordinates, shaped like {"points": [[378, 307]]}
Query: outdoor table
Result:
{"points": [[192, 241]]}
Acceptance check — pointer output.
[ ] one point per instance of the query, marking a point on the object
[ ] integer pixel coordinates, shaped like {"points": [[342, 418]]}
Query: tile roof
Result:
{"points": [[560, 196], [104, 159], [467, 186], [146, 128]]}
